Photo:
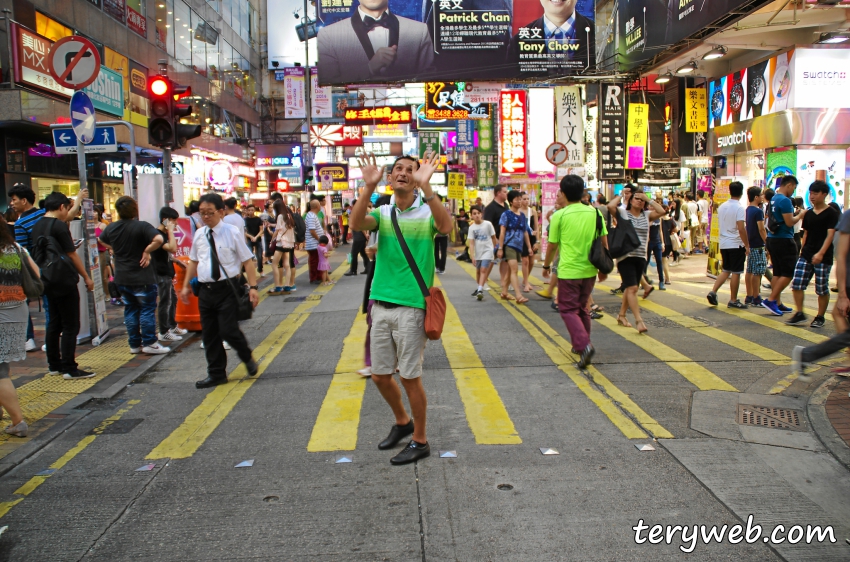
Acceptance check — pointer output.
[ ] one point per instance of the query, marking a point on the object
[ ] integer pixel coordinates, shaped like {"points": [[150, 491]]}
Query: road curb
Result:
{"points": [[822, 427]]}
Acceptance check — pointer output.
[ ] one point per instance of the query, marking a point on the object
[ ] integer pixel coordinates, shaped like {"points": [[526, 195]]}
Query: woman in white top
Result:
{"points": [[640, 211], [284, 236]]}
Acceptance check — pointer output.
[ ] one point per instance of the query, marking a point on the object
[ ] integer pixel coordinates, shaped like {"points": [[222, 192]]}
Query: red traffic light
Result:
{"points": [[159, 86]]}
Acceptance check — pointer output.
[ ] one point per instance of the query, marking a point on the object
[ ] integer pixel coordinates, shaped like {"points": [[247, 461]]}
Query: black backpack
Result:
{"points": [[57, 272], [770, 223], [300, 228]]}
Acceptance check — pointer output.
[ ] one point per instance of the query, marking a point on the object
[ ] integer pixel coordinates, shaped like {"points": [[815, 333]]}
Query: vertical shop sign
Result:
{"points": [[548, 196], [320, 97], [336, 204], [293, 85], [138, 94], [638, 130], [484, 128], [114, 8], [487, 176], [696, 114], [429, 141], [465, 135], [512, 136], [570, 124], [457, 186], [136, 18], [612, 132]]}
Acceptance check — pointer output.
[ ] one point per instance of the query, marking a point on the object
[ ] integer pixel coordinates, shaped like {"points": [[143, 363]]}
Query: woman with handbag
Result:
{"points": [[284, 243], [19, 279], [640, 212]]}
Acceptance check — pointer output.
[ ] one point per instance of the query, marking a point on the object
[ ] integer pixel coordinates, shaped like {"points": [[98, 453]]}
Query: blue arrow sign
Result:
{"points": [[82, 117], [103, 140]]}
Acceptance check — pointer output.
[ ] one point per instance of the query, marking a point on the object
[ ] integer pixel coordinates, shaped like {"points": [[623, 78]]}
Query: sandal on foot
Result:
{"points": [[521, 300], [641, 327], [623, 321]]}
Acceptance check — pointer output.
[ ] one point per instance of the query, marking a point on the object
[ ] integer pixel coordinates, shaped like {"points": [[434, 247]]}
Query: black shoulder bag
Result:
{"points": [[622, 239], [244, 306], [599, 255]]}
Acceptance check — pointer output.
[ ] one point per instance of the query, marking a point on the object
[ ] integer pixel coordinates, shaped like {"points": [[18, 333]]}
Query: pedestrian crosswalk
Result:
{"points": [[488, 409]]}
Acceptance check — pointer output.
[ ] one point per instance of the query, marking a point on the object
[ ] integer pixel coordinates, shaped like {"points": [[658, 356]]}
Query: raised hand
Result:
{"points": [[422, 176], [372, 174]]}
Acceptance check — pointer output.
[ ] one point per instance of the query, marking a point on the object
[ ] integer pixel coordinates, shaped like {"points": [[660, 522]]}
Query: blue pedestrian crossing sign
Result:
{"points": [[82, 117], [103, 140]]}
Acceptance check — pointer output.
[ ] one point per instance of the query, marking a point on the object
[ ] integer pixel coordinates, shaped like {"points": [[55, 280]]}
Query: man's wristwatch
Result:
{"points": [[254, 287], [428, 199]]}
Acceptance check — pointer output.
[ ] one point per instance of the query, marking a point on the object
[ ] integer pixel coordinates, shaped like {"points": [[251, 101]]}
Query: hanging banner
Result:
{"points": [[638, 130], [320, 97], [294, 92], [465, 135], [512, 137], [484, 129], [495, 40], [612, 132], [570, 124], [429, 141], [696, 112]]}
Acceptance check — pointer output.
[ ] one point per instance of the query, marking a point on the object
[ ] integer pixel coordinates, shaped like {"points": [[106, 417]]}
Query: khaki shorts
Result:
{"points": [[398, 338], [512, 255]]}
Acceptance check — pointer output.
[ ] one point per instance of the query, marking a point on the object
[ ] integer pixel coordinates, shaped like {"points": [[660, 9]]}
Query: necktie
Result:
{"points": [[559, 34], [216, 267], [370, 23]]}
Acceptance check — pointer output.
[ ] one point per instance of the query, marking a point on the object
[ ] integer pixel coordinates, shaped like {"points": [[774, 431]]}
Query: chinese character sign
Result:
{"points": [[450, 100], [612, 132], [487, 176], [465, 135], [637, 132], [320, 97], [457, 186], [696, 110], [486, 141], [294, 88], [512, 136], [376, 115], [429, 141], [570, 124]]}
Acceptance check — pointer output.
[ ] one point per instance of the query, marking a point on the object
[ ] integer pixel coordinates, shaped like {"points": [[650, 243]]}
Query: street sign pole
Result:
{"points": [[81, 163], [166, 175]]}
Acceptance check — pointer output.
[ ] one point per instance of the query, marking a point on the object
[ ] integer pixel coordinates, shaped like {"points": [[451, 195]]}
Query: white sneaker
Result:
{"points": [[44, 347], [31, 346], [797, 365], [224, 343], [168, 336], [178, 331], [135, 350], [156, 349], [367, 372]]}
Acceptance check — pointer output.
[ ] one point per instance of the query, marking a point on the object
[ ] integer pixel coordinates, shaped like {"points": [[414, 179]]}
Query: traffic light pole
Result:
{"points": [[166, 175]]}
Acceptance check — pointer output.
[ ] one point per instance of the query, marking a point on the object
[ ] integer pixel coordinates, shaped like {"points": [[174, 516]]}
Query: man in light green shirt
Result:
{"points": [[397, 335], [572, 230]]}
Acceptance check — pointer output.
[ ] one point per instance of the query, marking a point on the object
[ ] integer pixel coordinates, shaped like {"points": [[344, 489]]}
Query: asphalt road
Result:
{"points": [[501, 385]]}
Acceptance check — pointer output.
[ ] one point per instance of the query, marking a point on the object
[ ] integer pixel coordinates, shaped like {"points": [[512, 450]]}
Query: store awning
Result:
{"points": [[35, 132]]}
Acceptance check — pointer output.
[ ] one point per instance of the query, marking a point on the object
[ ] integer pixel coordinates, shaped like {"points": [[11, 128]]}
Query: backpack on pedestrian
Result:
{"points": [[57, 272], [300, 228]]}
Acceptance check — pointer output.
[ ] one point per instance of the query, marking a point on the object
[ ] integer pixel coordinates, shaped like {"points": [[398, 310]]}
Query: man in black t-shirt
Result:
{"points": [[132, 241], [63, 305], [254, 235], [166, 308], [819, 225], [493, 213]]}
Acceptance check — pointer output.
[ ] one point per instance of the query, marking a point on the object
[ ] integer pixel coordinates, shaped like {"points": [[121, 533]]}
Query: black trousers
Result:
{"points": [[65, 322], [345, 234], [358, 248], [441, 247], [217, 306], [257, 248]]}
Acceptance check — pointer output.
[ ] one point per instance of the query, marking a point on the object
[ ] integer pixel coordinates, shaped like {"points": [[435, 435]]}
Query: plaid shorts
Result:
{"points": [[803, 274], [757, 261]]}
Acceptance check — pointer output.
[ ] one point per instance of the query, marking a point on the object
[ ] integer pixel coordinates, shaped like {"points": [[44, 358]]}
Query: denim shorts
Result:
{"points": [[483, 264]]}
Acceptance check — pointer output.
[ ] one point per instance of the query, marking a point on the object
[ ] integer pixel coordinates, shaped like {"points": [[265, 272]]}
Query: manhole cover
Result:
{"points": [[773, 418], [504, 487], [100, 404], [295, 299], [116, 427], [659, 322]]}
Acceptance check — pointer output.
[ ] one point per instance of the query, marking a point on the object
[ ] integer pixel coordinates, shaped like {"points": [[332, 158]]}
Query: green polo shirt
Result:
{"points": [[394, 281], [573, 229]]}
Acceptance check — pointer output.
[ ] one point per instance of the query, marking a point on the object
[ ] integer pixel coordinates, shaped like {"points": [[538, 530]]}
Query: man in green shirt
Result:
{"points": [[398, 335], [572, 230]]}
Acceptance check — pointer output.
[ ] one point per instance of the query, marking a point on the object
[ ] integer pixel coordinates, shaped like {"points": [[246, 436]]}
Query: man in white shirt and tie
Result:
{"points": [[373, 45], [218, 275]]}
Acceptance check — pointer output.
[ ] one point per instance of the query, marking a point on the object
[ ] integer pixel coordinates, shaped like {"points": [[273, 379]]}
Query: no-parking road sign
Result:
{"points": [[74, 62]]}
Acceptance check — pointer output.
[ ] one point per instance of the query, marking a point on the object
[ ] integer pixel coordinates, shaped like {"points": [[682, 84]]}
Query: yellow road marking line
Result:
{"points": [[714, 333], [743, 290], [37, 481], [485, 412], [201, 422], [556, 348], [339, 417]]}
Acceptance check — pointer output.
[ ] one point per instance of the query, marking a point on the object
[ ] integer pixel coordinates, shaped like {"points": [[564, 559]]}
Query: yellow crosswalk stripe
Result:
{"points": [[557, 349], [339, 417], [217, 405], [714, 333], [485, 412]]}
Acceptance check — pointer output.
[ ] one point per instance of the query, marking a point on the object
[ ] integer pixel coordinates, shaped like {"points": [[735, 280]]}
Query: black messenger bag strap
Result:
{"points": [[413, 267]]}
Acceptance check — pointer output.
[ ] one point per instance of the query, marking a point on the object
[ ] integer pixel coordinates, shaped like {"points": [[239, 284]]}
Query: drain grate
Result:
{"points": [[117, 427], [773, 418], [101, 404]]}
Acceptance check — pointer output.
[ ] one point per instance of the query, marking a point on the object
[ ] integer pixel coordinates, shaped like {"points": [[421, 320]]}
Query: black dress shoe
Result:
{"points": [[412, 453], [364, 272], [209, 382], [253, 368], [397, 433], [350, 273]]}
